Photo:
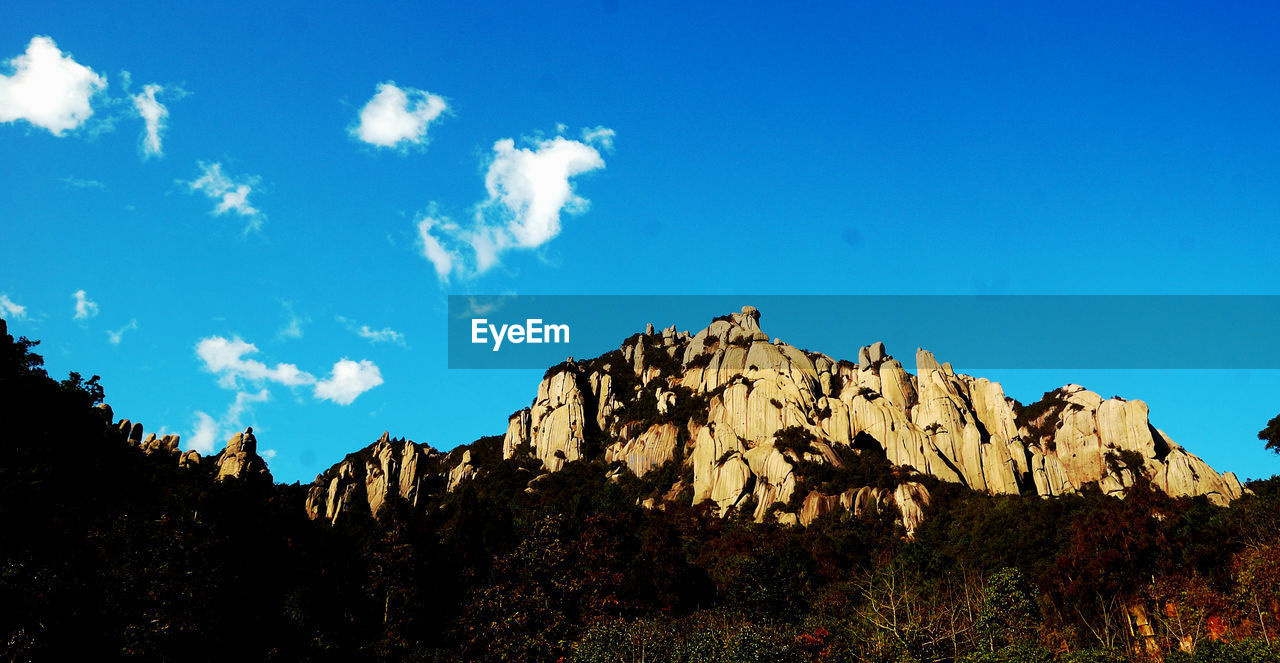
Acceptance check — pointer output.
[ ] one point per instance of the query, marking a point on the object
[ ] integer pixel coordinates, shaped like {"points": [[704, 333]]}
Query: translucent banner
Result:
{"points": [[972, 331]]}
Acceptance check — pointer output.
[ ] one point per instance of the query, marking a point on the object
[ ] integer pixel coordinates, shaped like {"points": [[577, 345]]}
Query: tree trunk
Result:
{"points": [[1142, 629]]}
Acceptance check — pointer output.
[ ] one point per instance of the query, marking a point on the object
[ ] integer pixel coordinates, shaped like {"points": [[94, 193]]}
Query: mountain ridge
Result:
{"points": [[739, 416], [728, 417]]}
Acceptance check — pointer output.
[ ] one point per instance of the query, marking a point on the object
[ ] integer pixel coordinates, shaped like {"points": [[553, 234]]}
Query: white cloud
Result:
{"points": [[293, 328], [85, 307], [210, 433], [529, 188], [48, 89], [433, 250], [384, 335], [232, 195], [398, 117], [113, 337], [154, 114], [602, 136], [11, 309], [348, 380], [226, 357], [268, 454], [243, 399], [78, 183], [206, 432]]}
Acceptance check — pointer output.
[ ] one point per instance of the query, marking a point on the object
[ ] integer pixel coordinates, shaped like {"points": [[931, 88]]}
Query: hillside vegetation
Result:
{"points": [[108, 551]]}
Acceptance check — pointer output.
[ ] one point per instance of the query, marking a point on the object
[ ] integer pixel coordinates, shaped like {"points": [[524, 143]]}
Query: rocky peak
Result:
{"points": [[754, 425], [240, 459], [390, 468], [713, 402], [132, 435]]}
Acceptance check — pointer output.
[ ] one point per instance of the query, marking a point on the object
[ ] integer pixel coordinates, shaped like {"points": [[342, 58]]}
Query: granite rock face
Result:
{"points": [[746, 424], [714, 401], [240, 459], [167, 445], [390, 468]]}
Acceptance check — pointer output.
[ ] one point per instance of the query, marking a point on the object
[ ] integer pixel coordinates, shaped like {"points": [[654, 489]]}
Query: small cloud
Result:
{"points": [[85, 307], [232, 195], [268, 454], [442, 258], [477, 307], [48, 89], [293, 327], [348, 380], [210, 433], [206, 432], [11, 309], [226, 358], [155, 115], [398, 117], [529, 189], [602, 136], [82, 184], [242, 402], [113, 337], [384, 335]]}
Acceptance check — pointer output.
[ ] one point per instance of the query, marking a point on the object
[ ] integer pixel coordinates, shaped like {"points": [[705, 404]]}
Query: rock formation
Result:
{"points": [[714, 402], [240, 459], [747, 423], [131, 434], [390, 468]]}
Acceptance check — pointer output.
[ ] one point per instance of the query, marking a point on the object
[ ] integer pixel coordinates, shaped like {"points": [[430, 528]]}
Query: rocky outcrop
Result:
{"points": [[1077, 438], [909, 499], [240, 459], [650, 449], [461, 472], [715, 401], [169, 445], [747, 424], [389, 469]]}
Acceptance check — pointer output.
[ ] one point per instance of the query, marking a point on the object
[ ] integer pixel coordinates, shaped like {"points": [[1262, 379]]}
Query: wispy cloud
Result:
{"points": [[85, 308], [12, 309], [602, 136], [78, 183], [229, 360], [210, 433], [384, 335], [292, 328], [432, 249], [205, 432], [398, 117], [231, 194], [154, 116], [529, 188], [48, 89], [113, 337]]}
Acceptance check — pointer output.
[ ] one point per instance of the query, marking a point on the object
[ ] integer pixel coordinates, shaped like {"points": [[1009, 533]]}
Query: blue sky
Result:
{"points": [[600, 148]]}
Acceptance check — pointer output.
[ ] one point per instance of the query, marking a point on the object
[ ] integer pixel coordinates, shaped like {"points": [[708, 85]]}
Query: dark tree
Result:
{"points": [[1271, 434]]}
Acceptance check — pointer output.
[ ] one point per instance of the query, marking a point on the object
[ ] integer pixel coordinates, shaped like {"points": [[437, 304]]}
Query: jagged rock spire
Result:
{"points": [[240, 458]]}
